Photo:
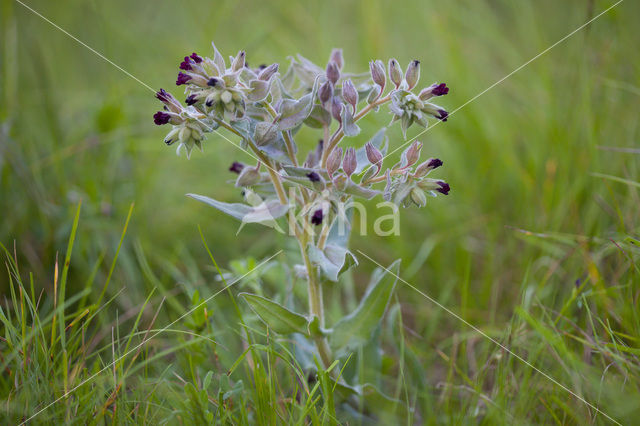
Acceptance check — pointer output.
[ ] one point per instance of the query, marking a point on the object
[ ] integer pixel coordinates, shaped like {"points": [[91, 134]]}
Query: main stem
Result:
{"points": [[316, 305]]}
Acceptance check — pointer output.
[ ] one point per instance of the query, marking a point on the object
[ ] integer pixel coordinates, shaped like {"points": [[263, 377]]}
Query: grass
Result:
{"points": [[537, 245]]}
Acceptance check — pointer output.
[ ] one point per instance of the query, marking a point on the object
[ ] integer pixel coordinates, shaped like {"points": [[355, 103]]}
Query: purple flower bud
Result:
{"points": [[182, 78], [336, 109], [395, 72], [349, 93], [373, 155], [191, 100], [196, 58], [377, 72], [334, 160], [442, 115], [350, 162], [412, 154], [212, 82], [236, 167], [444, 187], [413, 74], [336, 56], [333, 73], [161, 118], [186, 64], [268, 72], [313, 177], [317, 217], [325, 92], [164, 96]]}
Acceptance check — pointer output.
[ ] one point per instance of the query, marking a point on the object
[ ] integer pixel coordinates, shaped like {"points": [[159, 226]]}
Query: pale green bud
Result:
{"points": [[413, 74], [395, 72], [238, 62], [248, 176], [418, 197]]}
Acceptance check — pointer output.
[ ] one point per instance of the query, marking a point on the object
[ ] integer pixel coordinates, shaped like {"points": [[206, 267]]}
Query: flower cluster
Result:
{"points": [[267, 109]]}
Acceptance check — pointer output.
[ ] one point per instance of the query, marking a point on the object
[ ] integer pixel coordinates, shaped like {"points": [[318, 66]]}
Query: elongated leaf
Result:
{"points": [[264, 213], [349, 127], [277, 317], [356, 328]]}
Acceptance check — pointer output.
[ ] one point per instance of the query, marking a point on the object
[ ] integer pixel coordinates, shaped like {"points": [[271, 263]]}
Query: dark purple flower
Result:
{"points": [[196, 58], [164, 96], [212, 82], [442, 115], [440, 89], [186, 64], [182, 78], [434, 163], [316, 219], [161, 118], [313, 177], [191, 99], [444, 187], [236, 167]]}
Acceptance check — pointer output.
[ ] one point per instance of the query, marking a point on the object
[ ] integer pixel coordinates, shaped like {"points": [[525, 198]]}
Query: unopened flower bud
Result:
{"points": [[413, 74], [325, 92], [336, 109], [349, 93], [268, 72], [424, 168], [442, 115], [333, 73], [395, 72], [418, 197], [377, 72], [313, 177], [336, 56], [350, 162], [334, 160], [238, 62], [226, 97], [248, 176], [317, 217], [186, 64], [412, 154], [236, 167], [373, 155]]}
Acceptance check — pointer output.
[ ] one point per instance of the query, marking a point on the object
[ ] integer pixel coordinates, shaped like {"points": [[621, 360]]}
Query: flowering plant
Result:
{"points": [[266, 110]]}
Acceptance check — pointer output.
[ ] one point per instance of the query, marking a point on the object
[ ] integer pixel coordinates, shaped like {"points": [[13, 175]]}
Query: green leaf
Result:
{"points": [[277, 317], [355, 329], [349, 127], [294, 112]]}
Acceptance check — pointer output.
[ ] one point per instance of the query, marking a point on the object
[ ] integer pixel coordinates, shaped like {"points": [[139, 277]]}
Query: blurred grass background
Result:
{"points": [[519, 158]]}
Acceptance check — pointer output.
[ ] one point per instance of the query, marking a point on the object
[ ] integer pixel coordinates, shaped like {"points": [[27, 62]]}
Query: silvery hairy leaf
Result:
{"points": [[259, 90], [318, 118], [355, 329], [294, 112], [264, 213], [349, 127], [332, 261]]}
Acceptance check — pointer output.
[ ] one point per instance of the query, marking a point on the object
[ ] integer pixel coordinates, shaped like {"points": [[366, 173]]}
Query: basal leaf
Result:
{"points": [[277, 317], [356, 328]]}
